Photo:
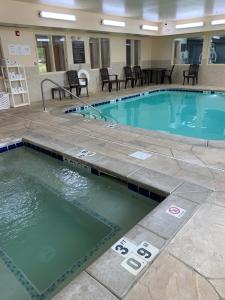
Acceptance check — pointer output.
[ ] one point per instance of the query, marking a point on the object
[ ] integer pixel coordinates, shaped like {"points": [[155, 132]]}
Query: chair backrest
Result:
{"points": [[72, 77], [193, 69], [171, 71], [137, 71], [104, 74], [128, 72]]}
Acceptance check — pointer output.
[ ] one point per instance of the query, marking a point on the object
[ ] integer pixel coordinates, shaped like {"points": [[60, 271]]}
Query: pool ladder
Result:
{"points": [[102, 116]]}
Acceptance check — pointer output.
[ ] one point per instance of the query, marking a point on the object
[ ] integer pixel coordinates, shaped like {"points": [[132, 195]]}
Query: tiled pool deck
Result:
{"points": [[191, 172]]}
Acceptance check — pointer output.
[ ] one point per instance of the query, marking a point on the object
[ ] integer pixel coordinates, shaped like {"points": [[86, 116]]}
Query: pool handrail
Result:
{"points": [[102, 116]]}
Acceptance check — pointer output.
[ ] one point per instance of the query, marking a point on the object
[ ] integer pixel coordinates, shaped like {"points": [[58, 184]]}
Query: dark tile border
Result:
{"points": [[45, 151], [10, 146]]}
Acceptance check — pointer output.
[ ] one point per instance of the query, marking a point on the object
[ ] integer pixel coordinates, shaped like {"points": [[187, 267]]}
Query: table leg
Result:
{"points": [[151, 76]]}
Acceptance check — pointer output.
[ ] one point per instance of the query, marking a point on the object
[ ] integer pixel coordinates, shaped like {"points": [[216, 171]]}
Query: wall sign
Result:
{"points": [[78, 52], [19, 50]]}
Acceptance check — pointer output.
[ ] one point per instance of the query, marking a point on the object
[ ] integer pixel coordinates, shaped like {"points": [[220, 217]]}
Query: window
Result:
{"points": [[188, 50], [105, 53], [58, 43], [51, 53], [43, 49], [137, 45], [133, 52], [94, 53], [128, 53], [99, 48], [217, 50]]}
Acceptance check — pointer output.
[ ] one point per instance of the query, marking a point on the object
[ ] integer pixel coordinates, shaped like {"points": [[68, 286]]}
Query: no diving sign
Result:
{"points": [[176, 211]]}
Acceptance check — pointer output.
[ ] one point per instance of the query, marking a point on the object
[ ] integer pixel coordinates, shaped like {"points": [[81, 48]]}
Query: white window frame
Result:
{"points": [[100, 52], [208, 51], [51, 52], [133, 52], [173, 49]]}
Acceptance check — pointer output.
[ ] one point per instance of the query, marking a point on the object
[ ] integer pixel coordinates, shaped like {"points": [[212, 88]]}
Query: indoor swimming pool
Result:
{"points": [[195, 114]]}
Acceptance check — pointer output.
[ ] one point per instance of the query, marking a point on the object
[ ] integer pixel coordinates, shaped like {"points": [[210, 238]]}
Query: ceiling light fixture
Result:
{"points": [[190, 25], [57, 16], [113, 23], [218, 22], [149, 27]]}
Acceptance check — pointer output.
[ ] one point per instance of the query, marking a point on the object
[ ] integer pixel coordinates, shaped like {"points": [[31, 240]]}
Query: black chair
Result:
{"points": [[138, 75], [168, 75], [192, 73], [129, 76], [74, 82], [106, 79]]}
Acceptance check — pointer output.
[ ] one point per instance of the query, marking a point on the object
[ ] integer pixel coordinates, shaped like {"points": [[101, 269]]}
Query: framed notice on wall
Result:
{"points": [[19, 50], [78, 52]]}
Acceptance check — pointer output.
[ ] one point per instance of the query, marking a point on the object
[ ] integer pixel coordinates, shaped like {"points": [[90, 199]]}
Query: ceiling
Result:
{"points": [[154, 10]]}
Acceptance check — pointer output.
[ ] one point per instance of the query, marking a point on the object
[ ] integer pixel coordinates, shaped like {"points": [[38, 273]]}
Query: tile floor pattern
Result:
{"points": [[191, 266]]}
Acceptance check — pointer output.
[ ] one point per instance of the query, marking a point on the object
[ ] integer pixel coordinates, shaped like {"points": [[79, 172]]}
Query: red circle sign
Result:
{"points": [[174, 210]]}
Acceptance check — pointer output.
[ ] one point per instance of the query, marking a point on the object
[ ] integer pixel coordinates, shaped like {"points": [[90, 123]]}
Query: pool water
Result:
{"points": [[191, 114], [55, 219]]}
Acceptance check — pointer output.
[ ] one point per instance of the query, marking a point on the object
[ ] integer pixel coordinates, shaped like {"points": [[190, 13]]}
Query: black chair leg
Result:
{"points": [[184, 81], [87, 91]]}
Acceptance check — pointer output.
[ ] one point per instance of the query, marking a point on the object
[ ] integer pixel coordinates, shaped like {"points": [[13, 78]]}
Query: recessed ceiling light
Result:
{"points": [[149, 27], [57, 16], [218, 22], [113, 23], [190, 25]]}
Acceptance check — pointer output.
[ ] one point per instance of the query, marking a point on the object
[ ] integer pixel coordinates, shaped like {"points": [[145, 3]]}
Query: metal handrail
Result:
{"points": [[67, 91]]}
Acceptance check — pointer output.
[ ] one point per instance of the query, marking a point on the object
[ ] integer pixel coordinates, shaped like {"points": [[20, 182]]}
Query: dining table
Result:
{"points": [[151, 74]]}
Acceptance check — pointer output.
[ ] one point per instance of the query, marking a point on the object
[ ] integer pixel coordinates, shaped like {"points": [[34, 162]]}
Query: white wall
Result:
{"points": [[27, 37]]}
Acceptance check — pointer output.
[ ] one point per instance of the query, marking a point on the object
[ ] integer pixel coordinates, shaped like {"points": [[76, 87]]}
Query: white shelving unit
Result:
{"points": [[15, 83]]}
